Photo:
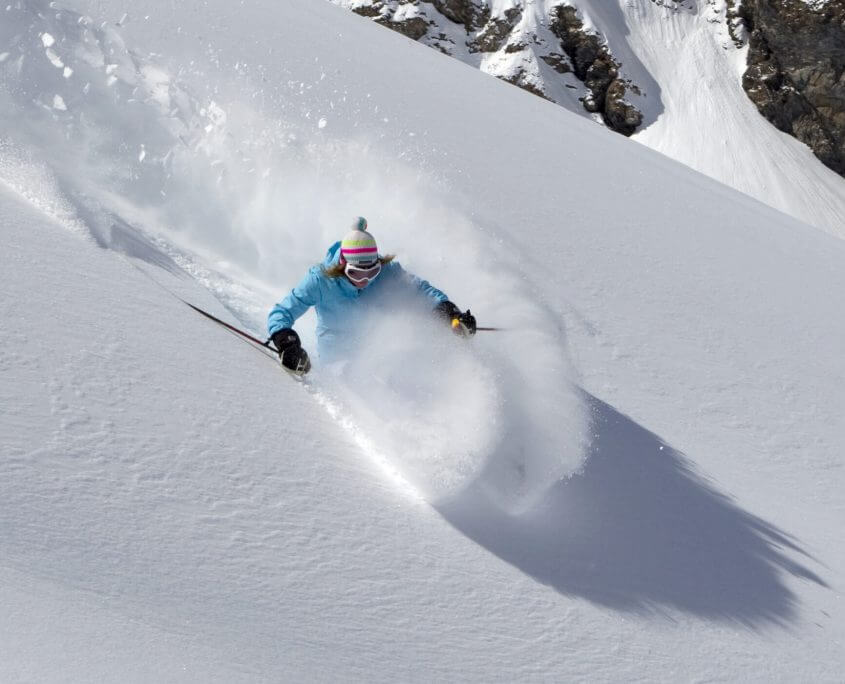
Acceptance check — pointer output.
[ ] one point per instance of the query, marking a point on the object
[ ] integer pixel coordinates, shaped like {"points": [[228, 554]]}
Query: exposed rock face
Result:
{"points": [[518, 48], [795, 74], [413, 27], [495, 32], [796, 71], [620, 115], [595, 66]]}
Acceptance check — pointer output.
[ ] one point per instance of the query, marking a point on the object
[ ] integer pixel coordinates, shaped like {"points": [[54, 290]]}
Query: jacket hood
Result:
{"points": [[332, 255]]}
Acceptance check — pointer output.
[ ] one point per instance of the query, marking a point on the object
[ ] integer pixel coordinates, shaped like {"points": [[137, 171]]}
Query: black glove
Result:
{"points": [[291, 353], [462, 324]]}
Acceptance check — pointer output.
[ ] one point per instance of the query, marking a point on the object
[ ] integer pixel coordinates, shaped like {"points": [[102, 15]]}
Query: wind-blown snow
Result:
{"points": [[640, 478]]}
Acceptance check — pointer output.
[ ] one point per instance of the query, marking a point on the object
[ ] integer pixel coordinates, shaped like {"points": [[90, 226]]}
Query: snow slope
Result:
{"points": [[710, 124], [695, 110], [204, 518]]}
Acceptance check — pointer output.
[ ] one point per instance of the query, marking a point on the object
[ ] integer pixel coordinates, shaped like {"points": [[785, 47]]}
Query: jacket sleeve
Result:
{"points": [[305, 295], [422, 286]]}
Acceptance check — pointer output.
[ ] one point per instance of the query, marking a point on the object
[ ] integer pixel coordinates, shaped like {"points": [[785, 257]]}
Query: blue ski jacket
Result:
{"points": [[340, 305]]}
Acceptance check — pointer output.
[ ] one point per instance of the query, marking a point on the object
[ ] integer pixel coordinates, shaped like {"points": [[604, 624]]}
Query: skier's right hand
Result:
{"points": [[291, 354]]}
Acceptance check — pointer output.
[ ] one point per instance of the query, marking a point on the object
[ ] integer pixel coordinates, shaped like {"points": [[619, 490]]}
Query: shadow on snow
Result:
{"points": [[641, 531]]}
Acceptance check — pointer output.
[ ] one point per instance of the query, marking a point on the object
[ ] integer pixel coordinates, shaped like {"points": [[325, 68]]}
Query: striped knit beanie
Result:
{"points": [[358, 246]]}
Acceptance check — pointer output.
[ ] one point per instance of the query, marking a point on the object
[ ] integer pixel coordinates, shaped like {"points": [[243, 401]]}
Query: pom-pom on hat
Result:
{"points": [[358, 247]]}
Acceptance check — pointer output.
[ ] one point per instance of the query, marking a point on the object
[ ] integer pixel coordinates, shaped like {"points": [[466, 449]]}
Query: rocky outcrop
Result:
{"points": [[796, 71], [473, 15], [736, 24], [413, 27], [595, 66], [517, 54], [619, 114], [495, 32]]}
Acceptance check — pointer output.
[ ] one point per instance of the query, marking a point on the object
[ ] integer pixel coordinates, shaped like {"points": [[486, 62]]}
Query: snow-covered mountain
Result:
{"points": [[683, 77], [549, 48], [638, 479]]}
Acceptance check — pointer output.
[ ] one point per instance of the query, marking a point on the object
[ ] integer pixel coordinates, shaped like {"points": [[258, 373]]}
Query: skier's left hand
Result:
{"points": [[462, 324]]}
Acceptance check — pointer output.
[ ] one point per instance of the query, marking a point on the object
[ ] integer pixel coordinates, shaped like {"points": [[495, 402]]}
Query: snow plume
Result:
{"points": [[427, 404], [447, 413], [31, 178], [246, 195]]}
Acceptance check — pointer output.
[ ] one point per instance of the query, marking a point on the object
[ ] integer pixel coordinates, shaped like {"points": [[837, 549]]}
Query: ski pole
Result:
{"points": [[266, 343]]}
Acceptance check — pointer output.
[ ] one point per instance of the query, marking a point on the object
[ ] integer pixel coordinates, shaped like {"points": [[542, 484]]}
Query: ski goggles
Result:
{"points": [[360, 274]]}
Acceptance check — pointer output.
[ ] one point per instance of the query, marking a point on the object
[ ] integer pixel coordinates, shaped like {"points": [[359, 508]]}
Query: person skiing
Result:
{"points": [[353, 278]]}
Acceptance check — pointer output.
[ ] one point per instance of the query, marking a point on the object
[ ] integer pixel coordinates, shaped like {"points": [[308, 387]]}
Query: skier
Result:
{"points": [[353, 278]]}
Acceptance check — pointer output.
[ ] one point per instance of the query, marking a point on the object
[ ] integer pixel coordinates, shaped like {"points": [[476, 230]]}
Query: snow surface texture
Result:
{"points": [[688, 72], [174, 507]]}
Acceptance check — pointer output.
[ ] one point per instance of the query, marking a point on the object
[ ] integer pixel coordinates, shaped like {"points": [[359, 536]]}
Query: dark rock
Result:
{"points": [[415, 27], [796, 71], [593, 64], [496, 31], [602, 72], [734, 13], [621, 116], [370, 11], [467, 12], [581, 47], [558, 62]]}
